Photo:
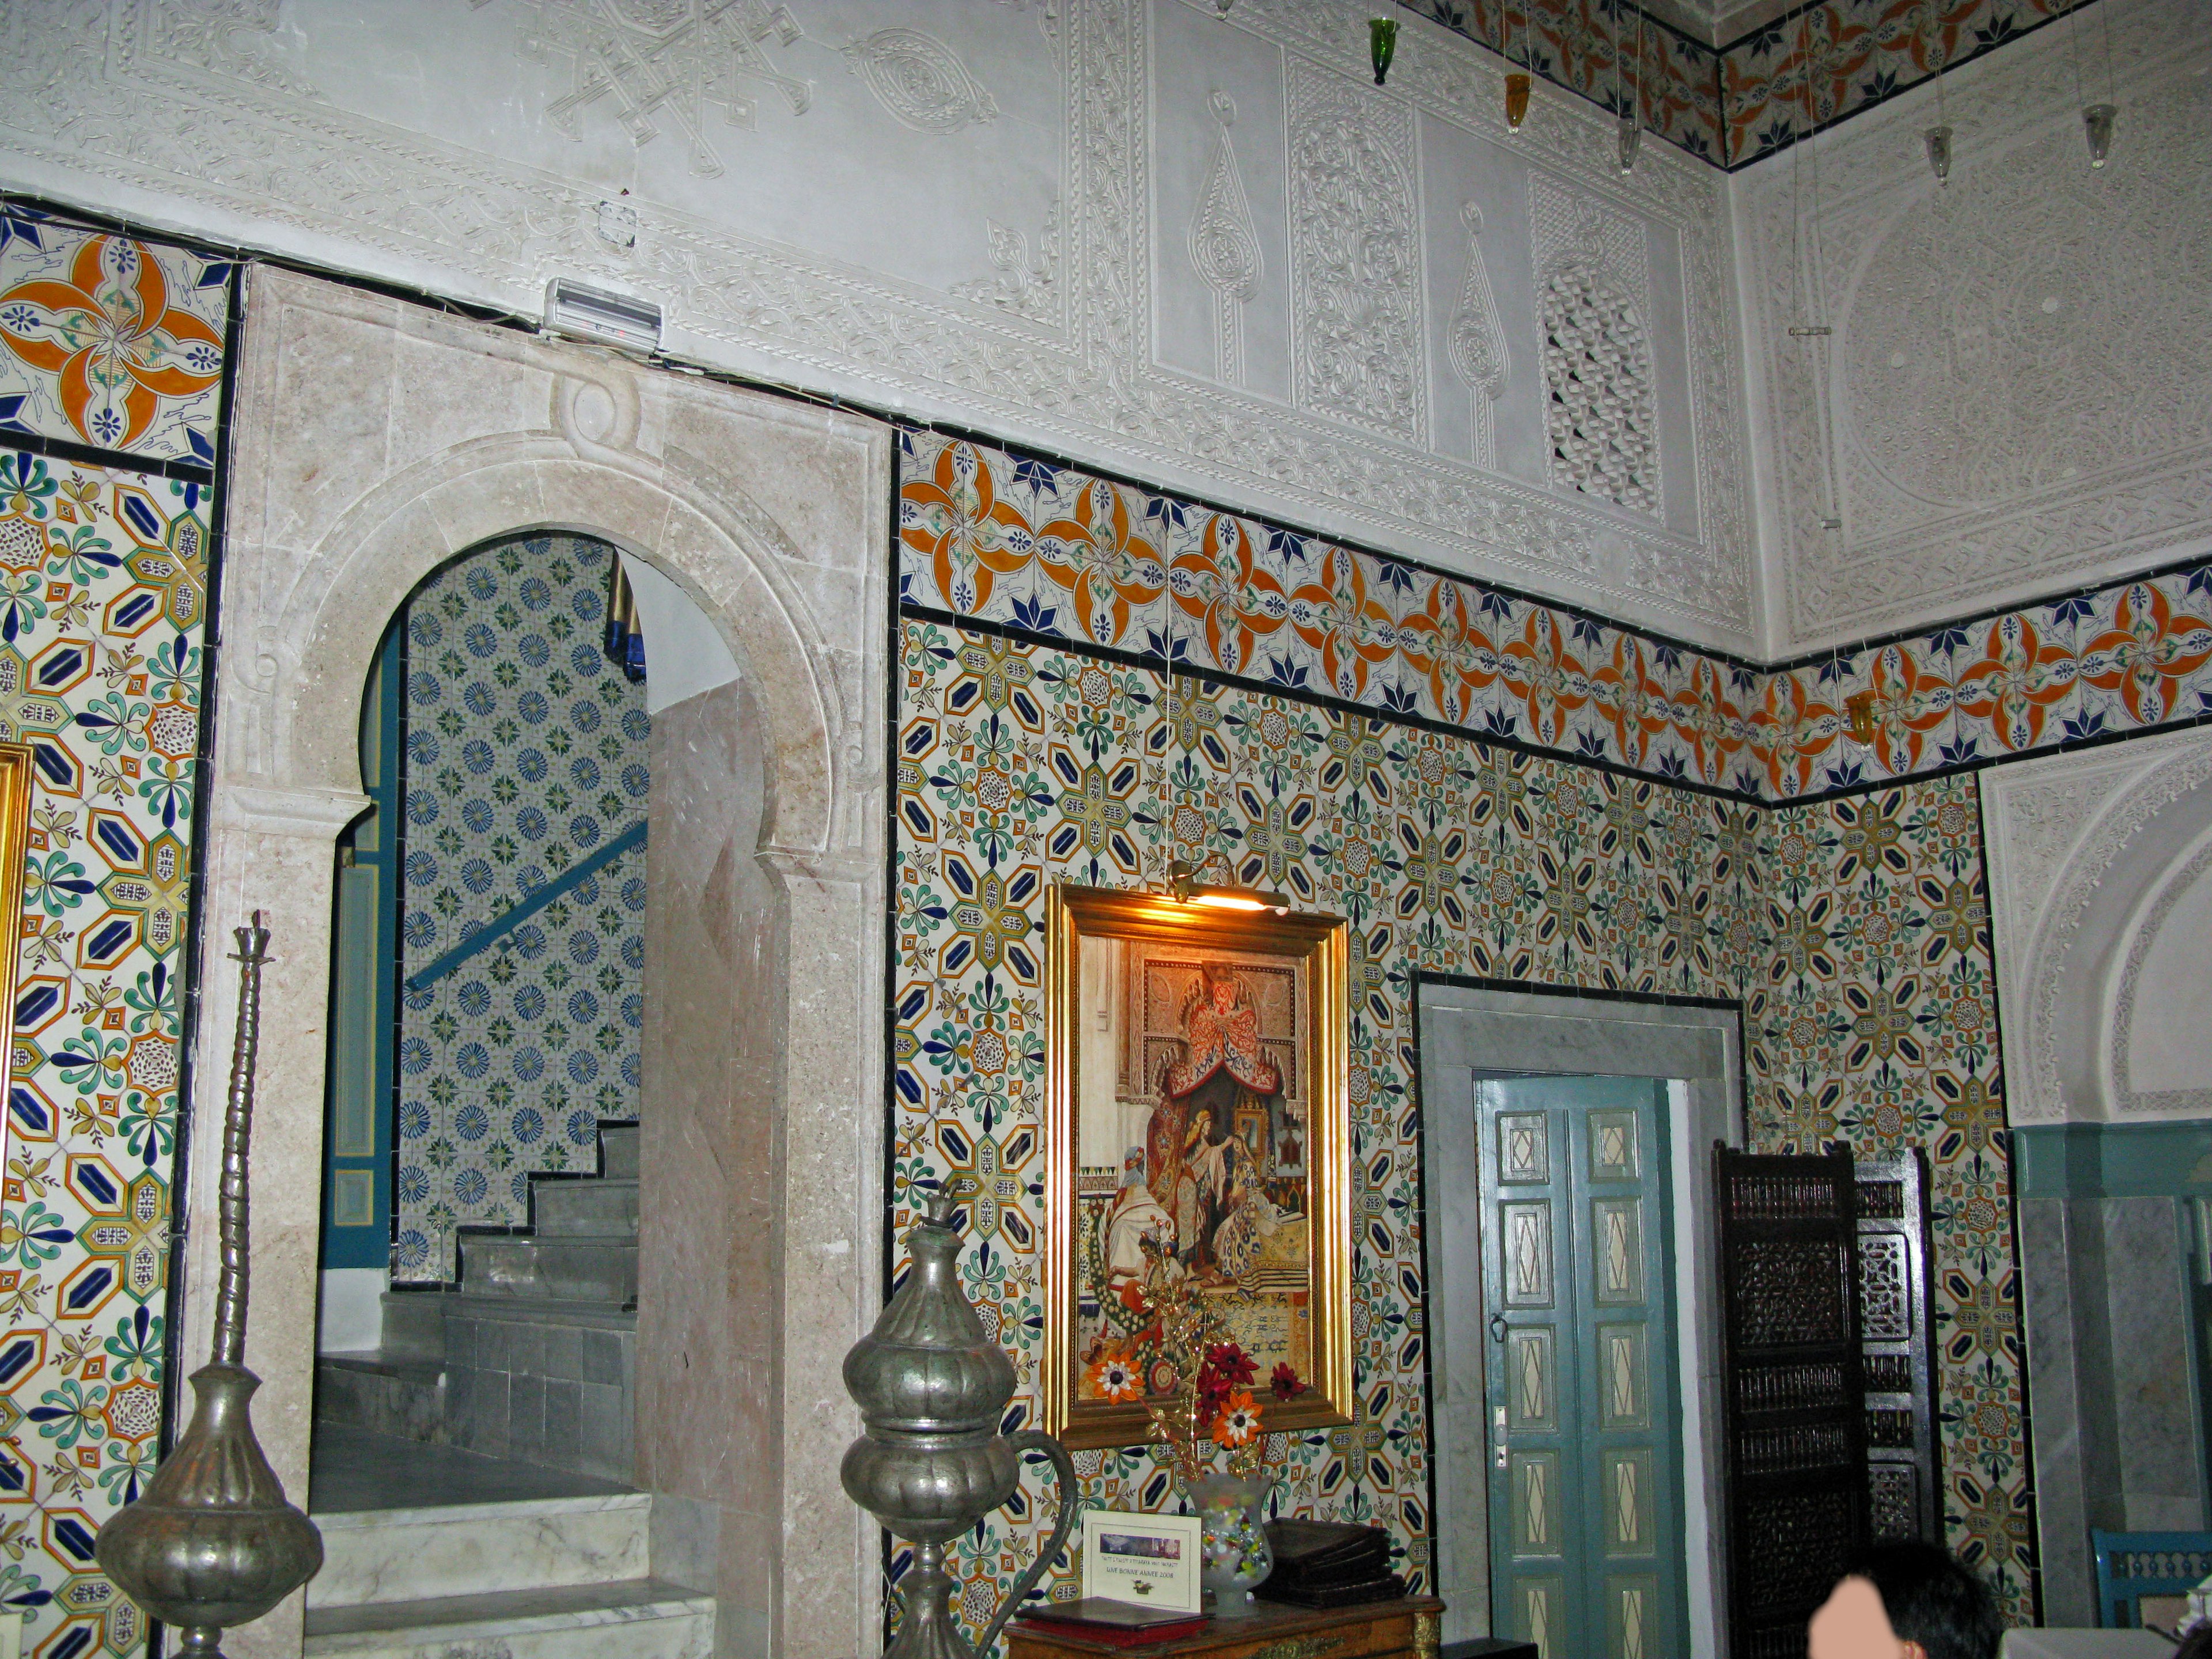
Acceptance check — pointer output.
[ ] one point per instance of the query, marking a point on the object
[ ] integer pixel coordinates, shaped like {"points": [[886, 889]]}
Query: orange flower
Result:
{"points": [[110, 337], [1238, 1424], [1114, 1377]]}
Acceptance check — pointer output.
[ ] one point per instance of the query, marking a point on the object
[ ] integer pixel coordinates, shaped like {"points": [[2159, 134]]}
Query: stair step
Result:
{"points": [[657, 1620], [469, 1550], [618, 1150], [520, 1265], [414, 1324], [600, 1208], [383, 1392]]}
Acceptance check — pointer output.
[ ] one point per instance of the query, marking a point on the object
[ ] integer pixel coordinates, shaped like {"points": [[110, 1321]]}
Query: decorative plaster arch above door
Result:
{"points": [[376, 440], [2092, 856]]}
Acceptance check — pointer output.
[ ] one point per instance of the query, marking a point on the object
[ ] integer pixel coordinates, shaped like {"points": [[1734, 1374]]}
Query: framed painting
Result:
{"points": [[1196, 1072]]}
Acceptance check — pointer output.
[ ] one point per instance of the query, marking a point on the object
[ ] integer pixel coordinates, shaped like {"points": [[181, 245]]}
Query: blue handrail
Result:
{"points": [[492, 932]]}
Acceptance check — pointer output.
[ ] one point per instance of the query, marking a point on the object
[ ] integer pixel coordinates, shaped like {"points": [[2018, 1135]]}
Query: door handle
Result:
{"points": [[1497, 1328], [1498, 1420]]}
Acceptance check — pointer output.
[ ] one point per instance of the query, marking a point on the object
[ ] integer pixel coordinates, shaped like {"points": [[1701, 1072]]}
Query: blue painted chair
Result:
{"points": [[2132, 1565]]}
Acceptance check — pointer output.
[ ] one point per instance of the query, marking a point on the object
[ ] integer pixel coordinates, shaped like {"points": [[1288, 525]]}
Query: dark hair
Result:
{"points": [[1931, 1598], [2198, 1644]]}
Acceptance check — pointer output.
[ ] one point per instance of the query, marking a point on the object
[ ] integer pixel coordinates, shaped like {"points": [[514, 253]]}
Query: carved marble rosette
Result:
{"points": [[932, 1385], [212, 1543]]}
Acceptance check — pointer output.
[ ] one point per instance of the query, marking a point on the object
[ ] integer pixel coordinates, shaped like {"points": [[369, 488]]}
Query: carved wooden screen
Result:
{"points": [[1796, 1427], [1903, 1481]]}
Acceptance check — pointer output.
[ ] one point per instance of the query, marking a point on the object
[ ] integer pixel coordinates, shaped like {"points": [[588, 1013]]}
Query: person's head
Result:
{"points": [[1906, 1601]]}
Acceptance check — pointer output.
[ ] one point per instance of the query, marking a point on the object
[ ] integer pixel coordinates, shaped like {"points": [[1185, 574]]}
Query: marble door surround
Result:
{"points": [[375, 440]]}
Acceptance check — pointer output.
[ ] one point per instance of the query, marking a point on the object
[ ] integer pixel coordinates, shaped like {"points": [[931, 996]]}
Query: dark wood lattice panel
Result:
{"points": [[1896, 1348], [1796, 1418]]}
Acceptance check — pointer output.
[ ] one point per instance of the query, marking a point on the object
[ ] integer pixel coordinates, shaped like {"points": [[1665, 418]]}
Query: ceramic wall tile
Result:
{"points": [[1007, 539], [1448, 854], [1832, 58], [1876, 1026], [526, 754], [103, 594], [109, 341], [1587, 46]]}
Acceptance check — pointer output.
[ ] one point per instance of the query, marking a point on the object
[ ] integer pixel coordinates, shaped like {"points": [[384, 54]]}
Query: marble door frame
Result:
{"points": [[373, 441]]}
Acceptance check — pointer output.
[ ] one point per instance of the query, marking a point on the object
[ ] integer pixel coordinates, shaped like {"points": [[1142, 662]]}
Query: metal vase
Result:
{"points": [[932, 1385], [212, 1543]]}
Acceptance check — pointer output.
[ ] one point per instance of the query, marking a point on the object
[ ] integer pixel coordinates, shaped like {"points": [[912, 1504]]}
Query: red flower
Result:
{"points": [[1284, 1381]]}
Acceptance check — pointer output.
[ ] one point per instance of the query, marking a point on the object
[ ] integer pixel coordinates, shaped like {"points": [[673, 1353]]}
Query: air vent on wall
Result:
{"points": [[583, 312]]}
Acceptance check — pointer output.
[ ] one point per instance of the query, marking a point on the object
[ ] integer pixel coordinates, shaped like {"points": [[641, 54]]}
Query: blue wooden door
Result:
{"points": [[1586, 1546]]}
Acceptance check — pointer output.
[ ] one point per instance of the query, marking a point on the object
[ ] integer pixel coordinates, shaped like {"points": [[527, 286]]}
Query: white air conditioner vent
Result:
{"points": [[583, 312]]}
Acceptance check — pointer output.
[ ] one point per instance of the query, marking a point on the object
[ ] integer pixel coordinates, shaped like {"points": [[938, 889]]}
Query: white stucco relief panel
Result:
{"points": [[2100, 874], [2019, 387], [951, 212]]}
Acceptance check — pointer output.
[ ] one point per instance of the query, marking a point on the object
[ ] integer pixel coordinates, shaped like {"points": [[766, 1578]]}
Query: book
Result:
{"points": [[1117, 1624], [1318, 1554]]}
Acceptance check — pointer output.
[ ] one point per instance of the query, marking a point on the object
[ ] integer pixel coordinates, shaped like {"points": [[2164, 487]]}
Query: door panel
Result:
{"points": [[1586, 1532]]}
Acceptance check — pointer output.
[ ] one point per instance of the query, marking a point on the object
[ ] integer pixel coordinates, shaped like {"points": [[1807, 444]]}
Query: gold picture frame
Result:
{"points": [[1216, 1094], [16, 762]]}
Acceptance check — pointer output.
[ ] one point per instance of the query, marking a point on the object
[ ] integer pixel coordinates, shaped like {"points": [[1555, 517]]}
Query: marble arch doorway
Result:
{"points": [[374, 440]]}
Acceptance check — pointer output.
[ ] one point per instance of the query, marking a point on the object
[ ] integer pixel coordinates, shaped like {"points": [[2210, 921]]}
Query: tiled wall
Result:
{"points": [[1877, 1026], [1059, 554], [525, 754], [1817, 63], [103, 598], [1574, 43], [1450, 854]]}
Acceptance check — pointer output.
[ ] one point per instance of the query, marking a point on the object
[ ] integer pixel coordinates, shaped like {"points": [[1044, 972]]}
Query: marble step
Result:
{"points": [[637, 1618], [467, 1550], [618, 1150], [523, 1265], [597, 1209]]}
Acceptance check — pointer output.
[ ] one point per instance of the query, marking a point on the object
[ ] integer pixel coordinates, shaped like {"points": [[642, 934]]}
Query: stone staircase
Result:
{"points": [[533, 1356], [550, 1579]]}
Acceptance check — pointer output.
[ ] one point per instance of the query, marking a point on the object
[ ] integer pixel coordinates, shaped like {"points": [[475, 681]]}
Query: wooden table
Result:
{"points": [[1404, 1629]]}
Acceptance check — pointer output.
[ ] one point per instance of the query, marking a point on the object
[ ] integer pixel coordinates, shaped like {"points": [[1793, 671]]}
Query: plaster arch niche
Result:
{"points": [[374, 441], [2100, 886]]}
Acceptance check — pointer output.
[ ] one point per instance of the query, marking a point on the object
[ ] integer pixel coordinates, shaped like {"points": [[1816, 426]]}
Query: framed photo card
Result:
{"points": [[1195, 1102], [1146, 1560]]}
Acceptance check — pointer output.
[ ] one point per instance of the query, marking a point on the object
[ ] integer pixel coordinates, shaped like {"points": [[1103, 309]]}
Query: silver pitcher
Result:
{"points": [[212, 1543], [932, 1385]]}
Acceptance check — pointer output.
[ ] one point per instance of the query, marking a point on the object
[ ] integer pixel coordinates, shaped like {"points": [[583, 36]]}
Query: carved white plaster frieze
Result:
{"points": [[1046, 335], [1225, 246], [1476, 340], [657, 61], [1355, 262], [2018, 392], [920, 81], [1594, 295]]}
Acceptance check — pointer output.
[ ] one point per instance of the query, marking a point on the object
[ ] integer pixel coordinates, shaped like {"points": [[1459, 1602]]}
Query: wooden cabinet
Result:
{"points": [[1404, 1629]]}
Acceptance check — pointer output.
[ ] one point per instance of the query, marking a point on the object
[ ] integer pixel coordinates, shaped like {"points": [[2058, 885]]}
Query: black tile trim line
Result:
{"points": [[120, 460], [190, 990], [1154, 662]]}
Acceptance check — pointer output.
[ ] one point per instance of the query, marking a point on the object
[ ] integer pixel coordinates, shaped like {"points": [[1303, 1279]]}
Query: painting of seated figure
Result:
{"points": [[1197, 1120]]}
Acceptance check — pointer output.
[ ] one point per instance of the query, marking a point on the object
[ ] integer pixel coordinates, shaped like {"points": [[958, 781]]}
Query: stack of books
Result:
{"points": [[1329, 1563]]}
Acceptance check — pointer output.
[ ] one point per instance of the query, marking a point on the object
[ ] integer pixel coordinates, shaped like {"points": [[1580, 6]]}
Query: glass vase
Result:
{"points": [[1233, 1550]]}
